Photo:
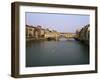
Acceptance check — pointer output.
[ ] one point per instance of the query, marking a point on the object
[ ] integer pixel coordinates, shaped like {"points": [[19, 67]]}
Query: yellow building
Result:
{"points": [[30, 31], [51, 34], [34, 32]]}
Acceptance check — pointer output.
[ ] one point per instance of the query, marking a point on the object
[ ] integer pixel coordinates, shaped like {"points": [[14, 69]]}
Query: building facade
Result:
{"points": [[84, 34], [34, 32]]}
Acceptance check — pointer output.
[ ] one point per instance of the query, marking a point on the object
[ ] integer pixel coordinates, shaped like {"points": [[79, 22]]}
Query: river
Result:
{"points": [[52, 53]]}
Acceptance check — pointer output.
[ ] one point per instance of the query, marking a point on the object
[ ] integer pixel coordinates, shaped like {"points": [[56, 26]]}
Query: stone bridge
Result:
{"points": [[57, 35], [37, 33], [67, 35]]}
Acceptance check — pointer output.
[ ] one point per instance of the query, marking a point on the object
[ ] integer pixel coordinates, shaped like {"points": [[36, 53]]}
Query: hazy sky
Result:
{"points": [[58, 22]]}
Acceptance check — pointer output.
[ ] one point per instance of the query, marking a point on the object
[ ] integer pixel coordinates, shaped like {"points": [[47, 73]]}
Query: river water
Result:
{"points": [[52, 53]]}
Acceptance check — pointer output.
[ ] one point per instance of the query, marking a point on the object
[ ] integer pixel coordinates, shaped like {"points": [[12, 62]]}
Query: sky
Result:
{"points": [[58, 22]]}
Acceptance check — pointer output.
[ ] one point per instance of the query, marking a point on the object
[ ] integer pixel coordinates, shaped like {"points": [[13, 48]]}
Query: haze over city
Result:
{"points": [[58, 22]]}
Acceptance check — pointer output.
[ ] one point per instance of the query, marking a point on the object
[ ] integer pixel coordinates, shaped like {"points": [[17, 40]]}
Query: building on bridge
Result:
{"points": [[68, 35]]}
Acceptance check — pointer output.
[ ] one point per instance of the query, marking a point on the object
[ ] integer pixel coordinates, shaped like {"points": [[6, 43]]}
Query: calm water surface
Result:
{"points": [[52, 53]]}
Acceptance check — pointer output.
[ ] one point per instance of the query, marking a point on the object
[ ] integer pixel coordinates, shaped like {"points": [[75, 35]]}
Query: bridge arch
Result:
{"points": [[68, 36]]}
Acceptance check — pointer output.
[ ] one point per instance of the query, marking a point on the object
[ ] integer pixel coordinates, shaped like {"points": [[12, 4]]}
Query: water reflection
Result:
{"points": [[64, 39], [51, 53]]}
